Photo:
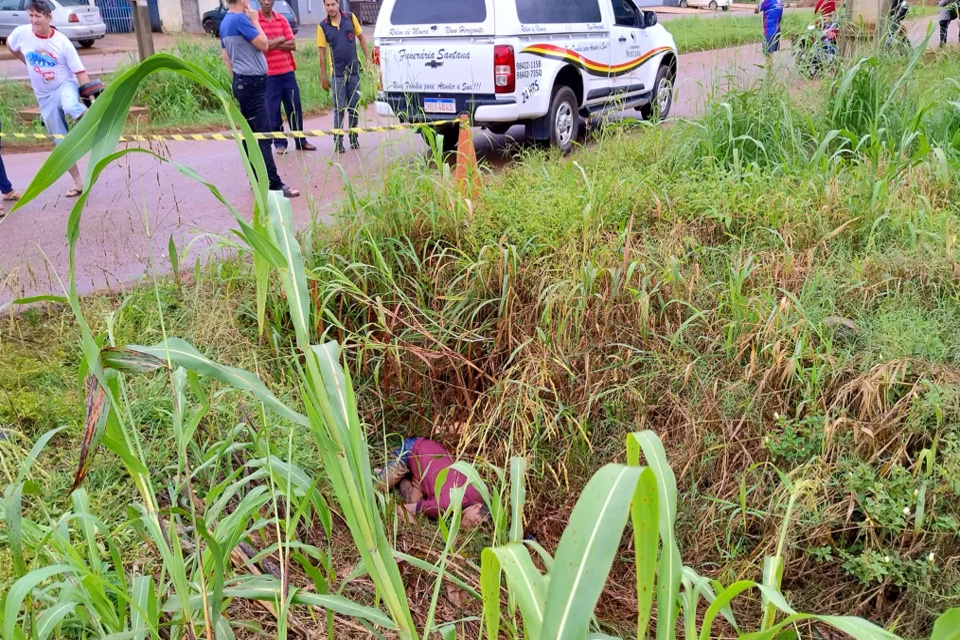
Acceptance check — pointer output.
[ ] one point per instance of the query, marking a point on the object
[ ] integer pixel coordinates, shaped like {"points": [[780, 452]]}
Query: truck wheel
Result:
{"points": [[564, 119], [659, 106], [210, 27], [713, 5], [86, 44], [683, 4]]}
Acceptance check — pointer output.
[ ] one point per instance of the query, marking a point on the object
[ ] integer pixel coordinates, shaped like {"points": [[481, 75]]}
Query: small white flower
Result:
{"points": [[776, 416], [886, 559], [930, 557], [906, 511], [916, 492]]}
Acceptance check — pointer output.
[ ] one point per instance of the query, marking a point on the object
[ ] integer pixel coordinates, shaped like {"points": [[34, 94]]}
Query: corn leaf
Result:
{"points": [[19, 592], [947, 627], [644, 512], [183, 354], [587, 550], [524, 580], [670, 566]]}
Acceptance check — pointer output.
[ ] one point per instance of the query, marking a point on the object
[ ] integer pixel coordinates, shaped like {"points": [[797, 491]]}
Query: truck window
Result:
{"points": [[624, 13], [558, 11], [438, 12]]}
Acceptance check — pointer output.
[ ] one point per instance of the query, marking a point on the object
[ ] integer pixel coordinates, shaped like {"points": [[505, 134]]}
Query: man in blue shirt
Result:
{"points": [[772, 11], [243, 43]]}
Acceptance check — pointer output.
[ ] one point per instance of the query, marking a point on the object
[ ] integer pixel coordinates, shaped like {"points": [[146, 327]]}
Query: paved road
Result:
{"points": [[140, 203]]}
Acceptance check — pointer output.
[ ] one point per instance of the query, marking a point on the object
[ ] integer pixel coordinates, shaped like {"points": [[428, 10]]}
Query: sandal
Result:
{"points": [[74, 192], [306, 146], [11, 195], [289, 193]]}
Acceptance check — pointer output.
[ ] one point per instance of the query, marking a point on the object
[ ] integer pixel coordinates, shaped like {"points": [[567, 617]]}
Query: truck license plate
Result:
{"points": [[440, 105]]}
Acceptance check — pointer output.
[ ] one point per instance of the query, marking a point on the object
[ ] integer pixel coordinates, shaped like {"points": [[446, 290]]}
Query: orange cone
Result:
{"points": [[467, 174]]}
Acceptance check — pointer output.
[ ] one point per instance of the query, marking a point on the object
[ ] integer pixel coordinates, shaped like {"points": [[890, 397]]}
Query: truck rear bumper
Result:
{"points": [[480, 108]]}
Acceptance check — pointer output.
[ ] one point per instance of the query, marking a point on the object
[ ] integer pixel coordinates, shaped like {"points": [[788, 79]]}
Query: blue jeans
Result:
{"points": [[346, 100], [5, 186], [250, 92], [283, 90], [64, 101]]}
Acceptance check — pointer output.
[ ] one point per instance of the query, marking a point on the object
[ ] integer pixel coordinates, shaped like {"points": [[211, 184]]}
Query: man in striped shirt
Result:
{"points": [[282, 87]]}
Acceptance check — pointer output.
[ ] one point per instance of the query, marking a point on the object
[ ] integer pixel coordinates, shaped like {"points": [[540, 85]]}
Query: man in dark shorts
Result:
{"points": [[415, 467], [243, 44]]}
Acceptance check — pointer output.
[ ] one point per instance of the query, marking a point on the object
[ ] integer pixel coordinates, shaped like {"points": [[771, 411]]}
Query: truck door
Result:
{"points": [[631, 49]]}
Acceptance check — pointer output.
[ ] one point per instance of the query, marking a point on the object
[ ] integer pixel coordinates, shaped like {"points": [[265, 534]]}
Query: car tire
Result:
{"points": [[86, 44], [713, 5], [683, 4], [726, 7], [661, 103], [210, 28], [564, 118]]}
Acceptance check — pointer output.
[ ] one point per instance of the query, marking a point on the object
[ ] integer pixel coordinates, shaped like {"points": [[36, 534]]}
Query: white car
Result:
{"points": [[79, 21], [542, 63], [713, 5]]}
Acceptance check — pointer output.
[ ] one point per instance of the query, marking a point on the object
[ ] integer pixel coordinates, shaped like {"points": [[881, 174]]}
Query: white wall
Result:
{"points": [[170, 15], [207, 5]]}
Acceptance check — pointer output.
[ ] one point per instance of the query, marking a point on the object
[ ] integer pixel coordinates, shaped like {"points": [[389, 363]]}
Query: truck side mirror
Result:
{"points": [[649, 19]]}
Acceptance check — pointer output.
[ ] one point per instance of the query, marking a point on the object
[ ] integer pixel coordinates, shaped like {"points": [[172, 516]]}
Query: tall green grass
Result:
{"points": [[715, 309]]}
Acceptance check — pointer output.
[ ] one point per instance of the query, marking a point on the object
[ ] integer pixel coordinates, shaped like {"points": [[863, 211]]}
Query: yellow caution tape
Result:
{"points": [[276, 135]]}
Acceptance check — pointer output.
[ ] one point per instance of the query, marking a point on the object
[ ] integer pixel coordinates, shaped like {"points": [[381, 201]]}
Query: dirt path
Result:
{"points": [[138, 205]]}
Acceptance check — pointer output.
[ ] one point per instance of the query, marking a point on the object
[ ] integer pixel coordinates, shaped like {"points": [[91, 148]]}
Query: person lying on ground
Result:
{"points": [[55, 71], [414, 468]]}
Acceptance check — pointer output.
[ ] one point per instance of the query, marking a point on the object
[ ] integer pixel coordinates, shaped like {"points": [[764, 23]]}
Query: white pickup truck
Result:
{"points": [[542, 63]]}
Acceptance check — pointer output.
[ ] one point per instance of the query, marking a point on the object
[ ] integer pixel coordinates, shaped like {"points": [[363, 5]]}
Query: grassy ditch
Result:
{"points": [[771, 289]]}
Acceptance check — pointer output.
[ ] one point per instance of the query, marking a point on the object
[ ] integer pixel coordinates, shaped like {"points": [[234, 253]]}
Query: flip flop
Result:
{"points": [[306, 146], [290, 193], [10, 196], [74, 192]]}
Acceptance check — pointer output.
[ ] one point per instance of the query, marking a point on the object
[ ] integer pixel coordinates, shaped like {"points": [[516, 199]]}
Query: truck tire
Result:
{"points": [[713, 5], [683, 4], [86, 44], [662, 100], [564, 118]]}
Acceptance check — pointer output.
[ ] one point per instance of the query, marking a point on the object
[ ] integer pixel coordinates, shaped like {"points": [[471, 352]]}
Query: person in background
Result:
{"points": [[55, 72], [414, 469], [282, 87], [948, 13], [772, 11], [6, 189], [825, 12], [243, 44], [339, 32]]}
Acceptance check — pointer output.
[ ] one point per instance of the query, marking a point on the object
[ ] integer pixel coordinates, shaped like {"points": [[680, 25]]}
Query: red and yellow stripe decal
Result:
{"points": [[593, 68]]}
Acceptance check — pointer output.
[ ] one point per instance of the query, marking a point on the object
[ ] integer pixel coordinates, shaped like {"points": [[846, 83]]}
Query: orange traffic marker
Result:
{"points": [[468, 172]]}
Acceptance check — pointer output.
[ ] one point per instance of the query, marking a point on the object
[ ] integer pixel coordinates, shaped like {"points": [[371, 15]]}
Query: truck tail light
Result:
{"points": [[504, 69], [376, 63], [376, 56], [73, 18]]}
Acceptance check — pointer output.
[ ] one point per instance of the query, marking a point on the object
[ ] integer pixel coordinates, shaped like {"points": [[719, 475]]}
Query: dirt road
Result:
{"points": [[139, 204]]}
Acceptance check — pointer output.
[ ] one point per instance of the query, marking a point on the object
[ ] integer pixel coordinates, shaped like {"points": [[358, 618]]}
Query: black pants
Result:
{"points": [[251, 94], [944, 25], [284, 91]]}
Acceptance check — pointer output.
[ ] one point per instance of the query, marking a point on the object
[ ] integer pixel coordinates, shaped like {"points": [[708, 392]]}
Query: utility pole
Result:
{"points": [[141, 26]]}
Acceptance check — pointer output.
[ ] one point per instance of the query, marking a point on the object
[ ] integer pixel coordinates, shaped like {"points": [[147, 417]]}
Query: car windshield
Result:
{"points": [[433, 12]]}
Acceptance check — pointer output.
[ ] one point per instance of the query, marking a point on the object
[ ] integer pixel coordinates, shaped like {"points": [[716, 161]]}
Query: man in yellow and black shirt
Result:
{"points": [[339, 32]]}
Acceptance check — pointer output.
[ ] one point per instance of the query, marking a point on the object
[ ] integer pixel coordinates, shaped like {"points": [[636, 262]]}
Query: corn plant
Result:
{"points": [[327, 395]]}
